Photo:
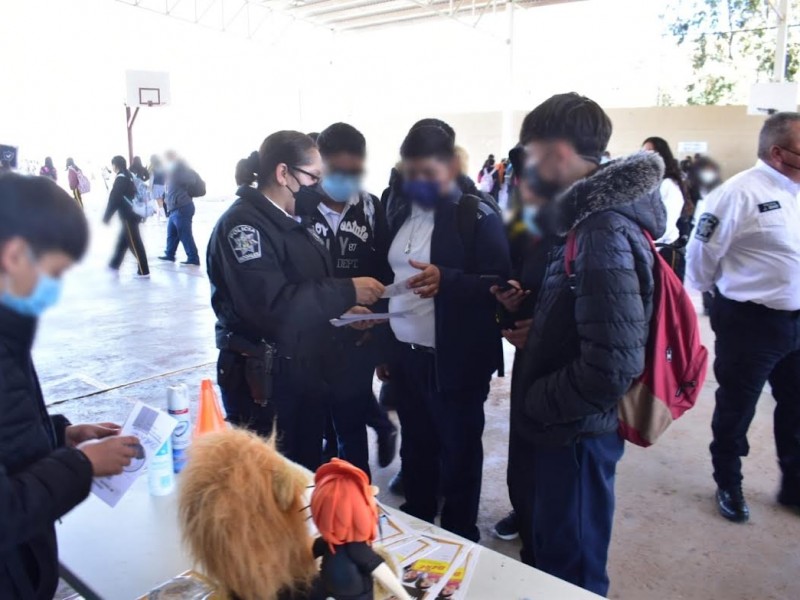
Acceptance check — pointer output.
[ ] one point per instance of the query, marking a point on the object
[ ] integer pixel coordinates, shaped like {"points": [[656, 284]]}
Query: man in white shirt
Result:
{"points": [[747, 249]]}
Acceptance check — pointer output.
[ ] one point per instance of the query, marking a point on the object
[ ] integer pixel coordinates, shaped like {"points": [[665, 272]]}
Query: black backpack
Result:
{"points": [[197, 187]]}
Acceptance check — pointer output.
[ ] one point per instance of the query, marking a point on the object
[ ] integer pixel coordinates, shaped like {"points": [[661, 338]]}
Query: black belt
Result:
{"points": [[421, 348]]}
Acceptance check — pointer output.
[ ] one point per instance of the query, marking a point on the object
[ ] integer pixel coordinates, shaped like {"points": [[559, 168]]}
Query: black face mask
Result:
{"points": [[541, 187], [306, 200]]}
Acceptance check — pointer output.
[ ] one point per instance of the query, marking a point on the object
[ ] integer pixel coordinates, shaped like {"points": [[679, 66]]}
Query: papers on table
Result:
{"points": [[153, 427], [350, 318]]}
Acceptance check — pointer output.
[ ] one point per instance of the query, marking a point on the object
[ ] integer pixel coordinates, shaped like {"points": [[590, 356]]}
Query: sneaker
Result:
{"points": [[732, 505], [507, 528], [190, 263], [387, 447], [396, 485], [167, 258], [112, 272], [141, 276]]}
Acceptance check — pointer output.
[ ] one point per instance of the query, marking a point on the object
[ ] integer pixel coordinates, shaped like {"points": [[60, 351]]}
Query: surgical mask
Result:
{"points": [[306, 200], [529, 212], [340, 187], [546, 190], [707, 176], [45, 294], [424, 194]]}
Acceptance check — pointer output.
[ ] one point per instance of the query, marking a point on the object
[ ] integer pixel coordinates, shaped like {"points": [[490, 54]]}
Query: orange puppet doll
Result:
{"points": [[344, 511]]}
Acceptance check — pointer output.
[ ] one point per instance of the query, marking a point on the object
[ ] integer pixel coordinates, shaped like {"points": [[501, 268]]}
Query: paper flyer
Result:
{"points": [[407, 551], [391, 529], [153, 427], [396, 289], [349, 319], [457, 586], [426, 577]]}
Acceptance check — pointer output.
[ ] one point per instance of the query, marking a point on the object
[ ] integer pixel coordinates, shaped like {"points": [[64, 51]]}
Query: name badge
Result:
{"points": [[768, 206]]}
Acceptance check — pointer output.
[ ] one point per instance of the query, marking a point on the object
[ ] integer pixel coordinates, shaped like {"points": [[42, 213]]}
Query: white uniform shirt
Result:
{"points": [[413, 242], [331, 216], [672, 197], [747, 241]]}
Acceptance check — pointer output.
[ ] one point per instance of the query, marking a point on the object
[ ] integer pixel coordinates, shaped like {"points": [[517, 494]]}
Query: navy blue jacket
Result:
{"points": [[468, 344], [587, 345]]}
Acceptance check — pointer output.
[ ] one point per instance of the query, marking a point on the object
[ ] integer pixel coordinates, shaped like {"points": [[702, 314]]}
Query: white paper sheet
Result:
{"points": [[396, 289], [153, 427], [349, 319]]}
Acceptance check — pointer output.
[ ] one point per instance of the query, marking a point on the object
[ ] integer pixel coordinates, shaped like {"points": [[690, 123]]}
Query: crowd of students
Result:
{"points": [[304, 243]]}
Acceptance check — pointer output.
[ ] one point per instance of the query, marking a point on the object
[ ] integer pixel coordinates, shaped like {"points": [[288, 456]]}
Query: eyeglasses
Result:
{"points": [[314, 178]]}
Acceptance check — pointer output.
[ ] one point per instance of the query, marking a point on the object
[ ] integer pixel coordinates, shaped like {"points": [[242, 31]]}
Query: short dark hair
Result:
{"points": [[431, 122], [776, 132], [342, 138], [44, 215], [289, 147], [572, 118], [428, 141], [120, 163]]}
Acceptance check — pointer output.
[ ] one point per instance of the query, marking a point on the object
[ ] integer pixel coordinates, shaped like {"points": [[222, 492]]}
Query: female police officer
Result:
{"points": [[273, 292]]}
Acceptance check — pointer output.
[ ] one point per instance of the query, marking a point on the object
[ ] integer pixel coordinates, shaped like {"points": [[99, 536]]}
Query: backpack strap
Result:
{"points": [[467, 217], [570, 253]]}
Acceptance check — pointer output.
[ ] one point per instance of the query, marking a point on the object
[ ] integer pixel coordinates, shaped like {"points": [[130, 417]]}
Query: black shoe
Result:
{"points": [[732, 505], [387, 447], [789, 495], [190, 263], [396, 485], [166, 258], [507, 528]]}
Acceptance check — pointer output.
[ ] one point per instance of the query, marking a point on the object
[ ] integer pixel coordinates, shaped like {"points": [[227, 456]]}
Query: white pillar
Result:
{"points": [[508, 137], [782, 9]]}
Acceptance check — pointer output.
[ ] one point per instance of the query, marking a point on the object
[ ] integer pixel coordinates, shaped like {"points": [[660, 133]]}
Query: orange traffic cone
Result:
{"points": [[209, 417]]}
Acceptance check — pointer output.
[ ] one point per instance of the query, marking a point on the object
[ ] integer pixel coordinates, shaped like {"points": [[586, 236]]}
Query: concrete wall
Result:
{"points": [[730, 133]]}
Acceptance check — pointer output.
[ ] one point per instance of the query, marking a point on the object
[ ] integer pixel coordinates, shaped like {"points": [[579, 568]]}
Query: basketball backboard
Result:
{"points": [[147, 88], [768, 98]]}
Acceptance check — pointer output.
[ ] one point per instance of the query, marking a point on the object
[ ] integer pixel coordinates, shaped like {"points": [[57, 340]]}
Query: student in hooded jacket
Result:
{"points": [[274, 289], [120, 202], [586, 343], [447, 250], [46, 464], [352, 223]]}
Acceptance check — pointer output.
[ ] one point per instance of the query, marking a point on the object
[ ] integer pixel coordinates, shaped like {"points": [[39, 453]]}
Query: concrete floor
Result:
{"points": [[111, 342]]}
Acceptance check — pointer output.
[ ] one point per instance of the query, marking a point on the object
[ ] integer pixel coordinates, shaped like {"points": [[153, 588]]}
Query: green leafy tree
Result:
{"points": [[732, 45]]}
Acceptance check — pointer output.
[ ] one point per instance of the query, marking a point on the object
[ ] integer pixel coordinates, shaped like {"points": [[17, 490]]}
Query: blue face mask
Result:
{"points": [[45, 294], [424, 194], [529, 212], [340, 187]]}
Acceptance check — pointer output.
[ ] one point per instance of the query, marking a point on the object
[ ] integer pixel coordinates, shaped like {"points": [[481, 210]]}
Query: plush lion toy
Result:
{"points": [[241, 512]]}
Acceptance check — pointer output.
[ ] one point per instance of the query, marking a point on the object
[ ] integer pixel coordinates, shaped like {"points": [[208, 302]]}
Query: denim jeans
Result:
{"points": [[179, 229]]}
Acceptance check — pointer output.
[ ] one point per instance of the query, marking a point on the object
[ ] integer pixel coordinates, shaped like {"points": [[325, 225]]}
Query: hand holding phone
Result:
{"points": [[510, 294]]}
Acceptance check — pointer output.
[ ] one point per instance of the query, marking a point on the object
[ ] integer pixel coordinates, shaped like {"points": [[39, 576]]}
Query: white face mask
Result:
{"points": [[707, 176]]}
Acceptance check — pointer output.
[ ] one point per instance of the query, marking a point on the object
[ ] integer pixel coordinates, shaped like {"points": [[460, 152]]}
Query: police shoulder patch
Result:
{"points": [[245, 242], [706, 227]]}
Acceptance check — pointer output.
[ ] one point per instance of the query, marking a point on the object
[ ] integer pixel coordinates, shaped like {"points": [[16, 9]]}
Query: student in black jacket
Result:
{"points": [[120, 200], [447, 249], [352, 223], [273, 289], [586, 343], [46, 464]]}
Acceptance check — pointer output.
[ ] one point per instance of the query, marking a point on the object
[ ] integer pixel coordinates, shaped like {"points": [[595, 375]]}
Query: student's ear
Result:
{"points": [[12, 255]]}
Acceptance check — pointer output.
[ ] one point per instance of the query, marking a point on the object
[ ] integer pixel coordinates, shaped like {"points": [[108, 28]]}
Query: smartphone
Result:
{"points": [[502, 284]]}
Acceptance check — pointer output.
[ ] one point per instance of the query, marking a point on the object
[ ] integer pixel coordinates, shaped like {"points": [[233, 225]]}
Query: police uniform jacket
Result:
{"points": [[272, 278]]}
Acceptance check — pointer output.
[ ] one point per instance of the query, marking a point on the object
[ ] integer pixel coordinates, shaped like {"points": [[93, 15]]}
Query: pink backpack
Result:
{"points": [[675, 359]]}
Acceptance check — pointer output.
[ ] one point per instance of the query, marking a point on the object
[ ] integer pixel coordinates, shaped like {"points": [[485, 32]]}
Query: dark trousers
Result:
{"points": [[179, 229], [296, 410], [353, 406], [130, 239], [564, 500], [755, 345], [442, 448]]}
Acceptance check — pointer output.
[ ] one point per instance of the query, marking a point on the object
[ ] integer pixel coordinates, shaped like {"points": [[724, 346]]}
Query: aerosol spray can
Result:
{"points": [[160, 477], [178, 406]]}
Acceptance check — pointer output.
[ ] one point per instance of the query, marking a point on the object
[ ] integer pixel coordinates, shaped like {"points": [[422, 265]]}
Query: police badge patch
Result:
{"points": [[245, 242], [706, 227]]}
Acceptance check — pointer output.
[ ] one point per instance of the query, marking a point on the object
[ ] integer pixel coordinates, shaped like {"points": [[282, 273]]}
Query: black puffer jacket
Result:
{"points": [[587, 345], [40, 480]]}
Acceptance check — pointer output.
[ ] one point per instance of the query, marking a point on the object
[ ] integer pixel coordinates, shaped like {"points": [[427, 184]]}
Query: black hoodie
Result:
{"points": [[587, 345]]}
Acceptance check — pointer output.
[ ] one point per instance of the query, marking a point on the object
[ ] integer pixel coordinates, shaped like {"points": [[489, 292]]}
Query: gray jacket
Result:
{"points": [[177, 187]]}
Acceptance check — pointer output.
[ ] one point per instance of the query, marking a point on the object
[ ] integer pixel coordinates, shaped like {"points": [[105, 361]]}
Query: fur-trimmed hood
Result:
{"points": [[628, 185]]}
